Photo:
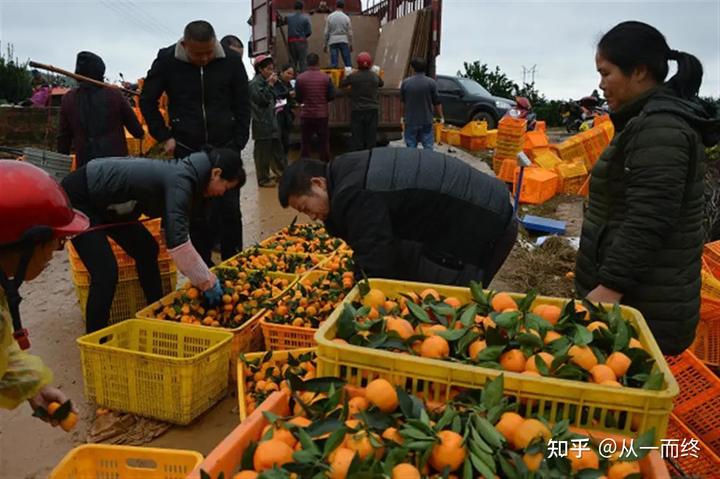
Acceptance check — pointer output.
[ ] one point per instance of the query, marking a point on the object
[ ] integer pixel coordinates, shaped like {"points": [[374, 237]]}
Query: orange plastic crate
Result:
{"points": [[711, 257], [538, 185], [281, 337], [453, 137], [504, 168], [535, 139], [698, 404], [570, 149], [472, 143], [707, 462]]}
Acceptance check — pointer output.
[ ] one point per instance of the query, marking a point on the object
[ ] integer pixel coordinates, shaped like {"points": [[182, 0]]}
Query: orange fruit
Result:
{"points": [[487, 322], [69, 422], [549, 312], [634, 343], [435, 347], [611, 382], [475, 348], [374, 299], [280, 434], [531, 373], [528, 431], [601, 372], [502, 302], [622, 469], [356, 405], [52, 407], [401, 326], [588, 460], [374, 313], [246, 475], [596, 325], [582, 356], [530, 363], [392, 434], [619, 363], [579, 308], [382, 394], [300, 421], [430, 292], [450, 452], [405, 471], [453, 302], [533, 461], [340, 460], [360, 442], [551, 336], [192, 293], [508, 424], [271, 453], [513, 360]]}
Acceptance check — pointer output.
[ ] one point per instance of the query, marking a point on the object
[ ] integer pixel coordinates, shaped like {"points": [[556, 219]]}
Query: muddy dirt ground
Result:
{"points": [[29, 448]]}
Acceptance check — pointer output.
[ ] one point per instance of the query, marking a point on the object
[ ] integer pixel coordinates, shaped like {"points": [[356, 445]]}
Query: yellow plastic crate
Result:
{"points": [[101, 461], [278, 356], [585, 405], [475, 129], [129, 296], [491, 138], [247, 337], [159, 369]]}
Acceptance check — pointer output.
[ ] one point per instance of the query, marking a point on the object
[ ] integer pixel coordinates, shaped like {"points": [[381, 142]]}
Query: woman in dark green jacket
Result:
{"points": [[642, 233]]}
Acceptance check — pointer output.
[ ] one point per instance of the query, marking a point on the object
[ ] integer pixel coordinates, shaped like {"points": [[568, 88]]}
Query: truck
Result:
{"points": [[392, 31]]}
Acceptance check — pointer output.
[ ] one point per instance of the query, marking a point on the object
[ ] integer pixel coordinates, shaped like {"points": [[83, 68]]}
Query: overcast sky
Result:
{"points": [[558, 37]]}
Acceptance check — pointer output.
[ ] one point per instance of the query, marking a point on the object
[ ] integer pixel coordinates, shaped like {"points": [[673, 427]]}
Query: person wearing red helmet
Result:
{"points": [[364, 84], [36, 219], [268, 151]]}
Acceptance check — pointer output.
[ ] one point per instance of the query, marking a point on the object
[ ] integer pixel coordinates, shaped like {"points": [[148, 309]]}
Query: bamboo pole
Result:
{"points": [[66, 73]]}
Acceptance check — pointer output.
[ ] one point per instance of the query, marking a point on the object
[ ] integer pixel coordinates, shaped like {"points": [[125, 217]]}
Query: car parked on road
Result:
{"points": [[464, 100]]}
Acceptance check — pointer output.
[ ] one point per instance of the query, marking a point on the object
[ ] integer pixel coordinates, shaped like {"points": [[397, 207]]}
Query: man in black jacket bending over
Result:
{"points": [[208, 106], [408, 214]]}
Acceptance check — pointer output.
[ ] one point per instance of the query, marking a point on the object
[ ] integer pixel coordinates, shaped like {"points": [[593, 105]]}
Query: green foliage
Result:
{"points": [[15, 79], [494, 81]]}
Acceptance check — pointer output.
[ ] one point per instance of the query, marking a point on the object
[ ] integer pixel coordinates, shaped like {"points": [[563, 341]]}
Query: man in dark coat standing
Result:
{"points": [[93, 118], [208, 105], [313, 91], [408, 214]]}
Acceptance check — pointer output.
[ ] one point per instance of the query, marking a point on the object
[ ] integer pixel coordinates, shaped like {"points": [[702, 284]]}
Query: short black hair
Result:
{"points": [[296, 179], [200, 31], [419, 64], [230, 162], [263, 64], [231, 41], [285, 67], [313, 59], [299, 5], [340, 3]]}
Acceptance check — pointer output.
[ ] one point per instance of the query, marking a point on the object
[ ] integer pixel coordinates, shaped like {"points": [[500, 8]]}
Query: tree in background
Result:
{"points": [[494, 81], [15, 79]]}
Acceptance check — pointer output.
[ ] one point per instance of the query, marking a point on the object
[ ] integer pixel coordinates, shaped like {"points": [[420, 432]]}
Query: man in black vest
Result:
{"points": [[408, 214]]}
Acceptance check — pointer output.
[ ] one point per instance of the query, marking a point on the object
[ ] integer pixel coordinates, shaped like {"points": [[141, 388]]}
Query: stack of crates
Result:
{"points": [[129, 296], [510, 142]]}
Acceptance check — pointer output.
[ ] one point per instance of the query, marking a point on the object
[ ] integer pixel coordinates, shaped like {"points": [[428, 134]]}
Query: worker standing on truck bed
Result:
{"points": [[314, 90], [419, 95], [364, 84], [299, 30], [407, 214], [339, 35], [208, 103]]}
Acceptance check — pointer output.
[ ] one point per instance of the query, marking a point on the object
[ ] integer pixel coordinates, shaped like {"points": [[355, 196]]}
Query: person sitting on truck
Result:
{"points": [[313, 90], [93, 119], [298, 31], [114, 192], [268, 152], [339, 35], [419, 94], [364, 84], [412, 215]]}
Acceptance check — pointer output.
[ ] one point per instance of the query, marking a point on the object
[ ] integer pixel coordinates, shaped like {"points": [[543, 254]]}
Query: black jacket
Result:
{"points": [[124, 188], [405, 212], [642, 233], [207, 105]]}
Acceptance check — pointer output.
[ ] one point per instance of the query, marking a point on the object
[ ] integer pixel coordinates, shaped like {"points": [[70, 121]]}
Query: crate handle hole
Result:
{"points": [[106, 339], [137, 463]]}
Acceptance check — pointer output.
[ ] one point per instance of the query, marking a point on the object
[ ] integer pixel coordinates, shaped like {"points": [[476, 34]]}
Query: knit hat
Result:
{"points": [[90, 65]]}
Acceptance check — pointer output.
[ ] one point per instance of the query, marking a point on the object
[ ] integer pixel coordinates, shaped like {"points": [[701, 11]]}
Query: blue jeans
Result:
{"points": [[344, 50], [415, 134]]}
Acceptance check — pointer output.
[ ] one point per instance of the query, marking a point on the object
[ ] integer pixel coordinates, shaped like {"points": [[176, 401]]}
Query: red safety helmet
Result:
{"points": [[257, 61], [364, 60], [523, 102], [31, 200]]}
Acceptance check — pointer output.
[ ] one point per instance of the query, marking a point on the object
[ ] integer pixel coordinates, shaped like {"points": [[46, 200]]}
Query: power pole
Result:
{"points": [[531, 72]]}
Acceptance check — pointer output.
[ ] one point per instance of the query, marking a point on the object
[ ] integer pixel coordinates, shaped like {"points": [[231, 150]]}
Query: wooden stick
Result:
{"points": [[66, 73]]}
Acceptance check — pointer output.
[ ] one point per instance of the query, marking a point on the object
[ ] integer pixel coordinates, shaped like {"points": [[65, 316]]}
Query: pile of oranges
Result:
{"points": [[379, 431], [258, 259], [303, 238], [265, 375], [494, 330], [245, 295], [309, 302]]}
